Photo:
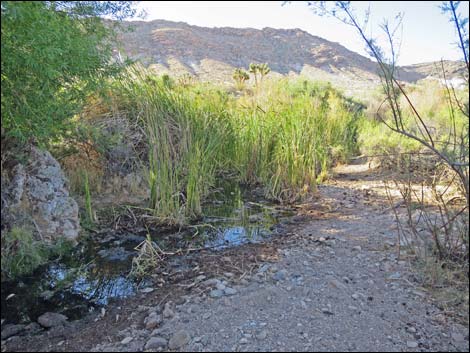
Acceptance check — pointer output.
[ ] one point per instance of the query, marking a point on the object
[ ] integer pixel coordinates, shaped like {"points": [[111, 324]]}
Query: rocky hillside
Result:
{"points": [[213, 53]]}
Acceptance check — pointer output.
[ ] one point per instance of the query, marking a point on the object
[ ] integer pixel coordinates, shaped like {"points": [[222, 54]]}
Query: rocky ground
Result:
{"points": [[332, 282]]}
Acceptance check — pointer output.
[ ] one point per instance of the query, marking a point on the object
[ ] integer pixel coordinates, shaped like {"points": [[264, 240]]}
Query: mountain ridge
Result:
{"points": [[212, 53]]}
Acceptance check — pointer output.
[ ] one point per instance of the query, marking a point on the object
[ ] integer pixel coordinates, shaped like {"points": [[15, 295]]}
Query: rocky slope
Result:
{"points": [[213, 53]]}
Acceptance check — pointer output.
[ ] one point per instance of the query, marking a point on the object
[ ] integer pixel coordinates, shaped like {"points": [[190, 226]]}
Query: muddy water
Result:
{"points": [[97, 270]]}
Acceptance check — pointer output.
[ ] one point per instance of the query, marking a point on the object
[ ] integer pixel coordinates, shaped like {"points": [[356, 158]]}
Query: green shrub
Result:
{"points": [[54, 54], [22, 253]]}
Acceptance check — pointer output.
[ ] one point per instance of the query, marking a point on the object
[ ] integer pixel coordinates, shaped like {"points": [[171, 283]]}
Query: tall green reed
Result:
{"points": [[285, 138]]}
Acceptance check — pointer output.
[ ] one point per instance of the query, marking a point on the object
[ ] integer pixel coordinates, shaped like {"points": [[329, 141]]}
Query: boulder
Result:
{"points": [[37, 195], [49, 319]]}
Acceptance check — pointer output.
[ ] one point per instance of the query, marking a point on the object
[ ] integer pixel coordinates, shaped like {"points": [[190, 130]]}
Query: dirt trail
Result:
{"points": [[331, 283]]}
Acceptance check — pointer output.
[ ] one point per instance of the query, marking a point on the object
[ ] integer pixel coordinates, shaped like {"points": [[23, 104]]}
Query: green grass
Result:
{"points": [[291, 137], [22, 253], [189, 133], [284, 136]]}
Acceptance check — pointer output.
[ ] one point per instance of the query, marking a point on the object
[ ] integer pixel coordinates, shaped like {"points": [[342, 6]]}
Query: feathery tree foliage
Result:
{"points": [[53, 54]]}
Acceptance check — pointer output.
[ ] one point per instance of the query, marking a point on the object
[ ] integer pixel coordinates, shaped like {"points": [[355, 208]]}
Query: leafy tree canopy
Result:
{"points": [[53, 54]]}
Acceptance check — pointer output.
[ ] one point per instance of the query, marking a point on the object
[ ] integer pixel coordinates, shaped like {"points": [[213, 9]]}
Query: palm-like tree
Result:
{"points": [[263, 70], [240, 76], [254, 69]]}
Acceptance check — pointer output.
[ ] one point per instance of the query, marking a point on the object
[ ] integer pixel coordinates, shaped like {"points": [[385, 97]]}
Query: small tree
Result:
{"points": [[263, 70], [254, 69], [54, 53], [259, 69], [240, 76], [186, 80]]}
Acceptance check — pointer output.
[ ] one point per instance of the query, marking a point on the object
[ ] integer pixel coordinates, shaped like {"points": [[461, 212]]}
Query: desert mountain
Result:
{"points": [[213, 53]]}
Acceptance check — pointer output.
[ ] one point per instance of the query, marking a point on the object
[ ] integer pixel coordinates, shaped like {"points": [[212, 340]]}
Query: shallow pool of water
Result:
{"points": [[97, 270]]}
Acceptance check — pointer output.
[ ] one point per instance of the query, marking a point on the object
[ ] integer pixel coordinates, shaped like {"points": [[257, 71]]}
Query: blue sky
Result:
{"points": [[427, 34]]}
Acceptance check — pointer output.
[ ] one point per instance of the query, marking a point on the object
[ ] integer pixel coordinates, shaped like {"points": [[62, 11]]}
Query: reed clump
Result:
{"points": [[284, 136]]}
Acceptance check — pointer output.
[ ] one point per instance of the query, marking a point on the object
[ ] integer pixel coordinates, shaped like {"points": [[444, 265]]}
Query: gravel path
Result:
{"points": [[337, 285]]}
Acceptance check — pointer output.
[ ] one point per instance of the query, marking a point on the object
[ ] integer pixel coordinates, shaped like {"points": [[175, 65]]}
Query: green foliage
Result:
{"points": [[430, 98], [285, 139], [295, 133], [240, 76], [167, 81], [54, 54], [261, 69], [22, 253], [189, 139]]}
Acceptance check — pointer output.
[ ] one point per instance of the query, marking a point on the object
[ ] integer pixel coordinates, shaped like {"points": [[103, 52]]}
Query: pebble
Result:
{"points": [[47, 294], [152, 321], [211, 282], [179, 339], [264, 268], [457, 337], [126, 340], [244, 282], [356, 296], [200, 278], [243, 341], [156, 343], [337, 284], [395, 275], [357, 248], [167, 312], [280, 275], [147, 290], [327, 311], [412, 344], [220, 286], [216, 293], [230, 291], [196, 347], [262, 335]]}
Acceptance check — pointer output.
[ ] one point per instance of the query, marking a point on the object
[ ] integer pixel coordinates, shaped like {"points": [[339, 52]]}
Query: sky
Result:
{"points": [[426, 34]]}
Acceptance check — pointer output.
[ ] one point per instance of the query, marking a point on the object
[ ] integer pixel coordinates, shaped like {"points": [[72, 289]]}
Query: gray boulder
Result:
{"points": [[49, 319], [37, 196]]}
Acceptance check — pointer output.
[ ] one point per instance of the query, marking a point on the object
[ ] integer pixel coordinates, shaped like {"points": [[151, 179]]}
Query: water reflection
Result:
{"points": [[96, 271]]}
